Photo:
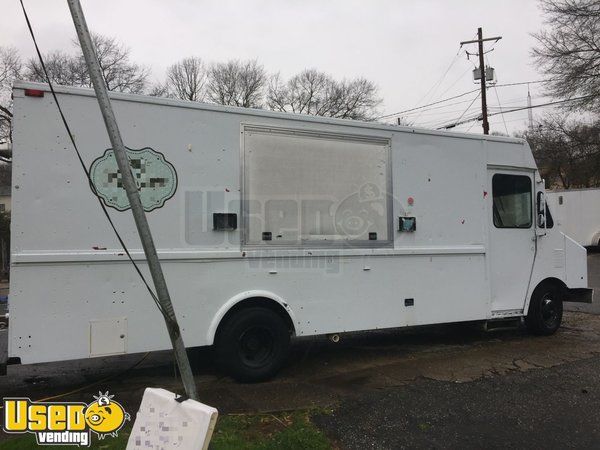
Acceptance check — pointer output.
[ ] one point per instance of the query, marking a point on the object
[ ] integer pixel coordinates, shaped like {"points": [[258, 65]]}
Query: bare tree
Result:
{"points": [[10, 69], [237, 83], [62, 69], [159, 90], [186, 80], [356, 99], [305, 93], [5, 174], [316, 93], [567, 152], [119, 72], [569, 50]]}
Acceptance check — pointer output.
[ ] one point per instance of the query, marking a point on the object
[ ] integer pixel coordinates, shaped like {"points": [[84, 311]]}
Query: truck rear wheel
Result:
{"points": [[253, 344], [545, 310]]}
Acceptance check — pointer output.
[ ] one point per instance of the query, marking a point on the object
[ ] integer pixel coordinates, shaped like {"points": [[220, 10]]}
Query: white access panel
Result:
{"points": [[108, 336]]}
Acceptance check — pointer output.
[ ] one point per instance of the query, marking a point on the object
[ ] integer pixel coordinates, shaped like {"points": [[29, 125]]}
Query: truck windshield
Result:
{"points": [[512, 201]]}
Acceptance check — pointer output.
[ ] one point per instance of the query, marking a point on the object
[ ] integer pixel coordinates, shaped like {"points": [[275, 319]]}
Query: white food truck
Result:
{"points": [[577, 214], [270, 226]]}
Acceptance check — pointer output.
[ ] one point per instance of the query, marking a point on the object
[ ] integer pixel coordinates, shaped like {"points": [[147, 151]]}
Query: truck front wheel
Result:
{"points": [[253, 344], [545, 310]]}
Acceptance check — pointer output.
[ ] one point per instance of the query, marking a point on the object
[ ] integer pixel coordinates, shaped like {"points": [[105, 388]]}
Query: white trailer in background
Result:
{"points": [[271, 225], [577, 214]]}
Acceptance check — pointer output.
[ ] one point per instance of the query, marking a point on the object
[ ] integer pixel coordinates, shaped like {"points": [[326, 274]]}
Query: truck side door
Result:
{"points": [[512, 238]]}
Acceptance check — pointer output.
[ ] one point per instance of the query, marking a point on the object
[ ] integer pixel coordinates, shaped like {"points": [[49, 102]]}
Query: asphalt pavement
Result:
{"points": [[550, 408]]}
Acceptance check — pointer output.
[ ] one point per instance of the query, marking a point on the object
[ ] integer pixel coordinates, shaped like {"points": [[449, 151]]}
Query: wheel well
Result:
{"points": [[262, 302], [549, 281], [552, 281]]}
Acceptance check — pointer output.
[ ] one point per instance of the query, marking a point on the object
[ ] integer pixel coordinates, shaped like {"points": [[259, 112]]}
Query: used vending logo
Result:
{"points": [[70, 423]]}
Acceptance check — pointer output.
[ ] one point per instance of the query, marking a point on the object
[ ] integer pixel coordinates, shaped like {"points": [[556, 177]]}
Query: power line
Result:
{"points": [[458, 96], [498, 98], [441, 111], [433, 114], [430, 104], [471, 126], [468, 125], [438, 84], [456, 81], [521, 109], [441, 114], [441, 79], [465, 111], [520, 119], [432, 111], [544, 104], [524, 82], [445, 106]]}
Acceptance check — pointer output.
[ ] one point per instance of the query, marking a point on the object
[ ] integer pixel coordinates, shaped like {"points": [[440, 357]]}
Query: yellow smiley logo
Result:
{"points": [[105, 416]]}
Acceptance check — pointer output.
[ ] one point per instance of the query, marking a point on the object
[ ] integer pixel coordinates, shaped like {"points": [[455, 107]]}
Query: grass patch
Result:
{"points": [[268, 431], [253, 432]]}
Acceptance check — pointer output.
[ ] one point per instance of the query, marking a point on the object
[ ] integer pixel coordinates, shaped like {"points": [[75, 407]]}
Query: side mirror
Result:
{"points": [[541, 221], [541, 213]]}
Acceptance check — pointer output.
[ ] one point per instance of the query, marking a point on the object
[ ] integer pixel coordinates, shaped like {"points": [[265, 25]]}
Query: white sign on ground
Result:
{"points": [[163, 422]]}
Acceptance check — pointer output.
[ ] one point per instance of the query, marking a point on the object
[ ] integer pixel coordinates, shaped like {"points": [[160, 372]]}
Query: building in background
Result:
{"points": [[4, 198]]}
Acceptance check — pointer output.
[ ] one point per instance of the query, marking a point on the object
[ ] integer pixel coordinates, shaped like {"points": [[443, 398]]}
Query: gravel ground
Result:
{"points": [[546, 408]]}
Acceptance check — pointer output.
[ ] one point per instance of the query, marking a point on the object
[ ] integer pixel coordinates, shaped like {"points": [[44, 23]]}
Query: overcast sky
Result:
{"points": [[404, 46]]}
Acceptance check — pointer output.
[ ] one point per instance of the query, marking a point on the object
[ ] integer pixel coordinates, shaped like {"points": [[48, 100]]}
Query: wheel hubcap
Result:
{"points": [[549, 310], [256, 346]]}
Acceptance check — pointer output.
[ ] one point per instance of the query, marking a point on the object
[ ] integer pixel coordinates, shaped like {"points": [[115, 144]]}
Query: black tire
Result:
{"points": [[252, 344], [545, 310]]}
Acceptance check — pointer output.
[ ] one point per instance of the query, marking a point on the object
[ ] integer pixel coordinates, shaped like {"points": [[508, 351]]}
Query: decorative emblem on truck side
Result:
{"points": [[155, 177]]}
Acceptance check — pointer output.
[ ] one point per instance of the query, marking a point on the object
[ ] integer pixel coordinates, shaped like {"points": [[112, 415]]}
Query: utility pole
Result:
{"points": [[133, 196], [480, 40], [484, 114]]}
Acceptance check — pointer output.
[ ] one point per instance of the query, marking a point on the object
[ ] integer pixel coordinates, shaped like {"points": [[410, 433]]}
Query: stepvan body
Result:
{"points": [[339, 225], [577, 214]]}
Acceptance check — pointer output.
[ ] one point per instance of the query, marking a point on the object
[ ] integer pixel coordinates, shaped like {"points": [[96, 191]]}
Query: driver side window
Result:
{"points": [[511, 201]]}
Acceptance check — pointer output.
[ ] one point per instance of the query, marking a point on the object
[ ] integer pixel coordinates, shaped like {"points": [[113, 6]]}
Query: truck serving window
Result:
{"points": [[315, 189], [512, 201]]}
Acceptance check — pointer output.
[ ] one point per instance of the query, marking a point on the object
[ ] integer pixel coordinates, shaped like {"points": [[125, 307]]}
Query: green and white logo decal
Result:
{"points": [[155, 177]]}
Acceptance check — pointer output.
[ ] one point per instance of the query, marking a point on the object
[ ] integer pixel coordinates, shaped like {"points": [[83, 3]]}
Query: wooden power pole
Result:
{"points": [[480, 40]]}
